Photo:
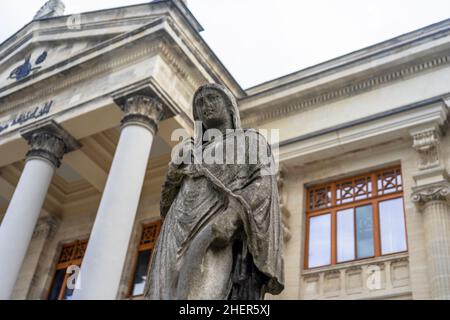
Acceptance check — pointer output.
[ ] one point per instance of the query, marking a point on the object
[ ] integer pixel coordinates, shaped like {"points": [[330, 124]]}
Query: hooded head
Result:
{"points": [[227, 100]]}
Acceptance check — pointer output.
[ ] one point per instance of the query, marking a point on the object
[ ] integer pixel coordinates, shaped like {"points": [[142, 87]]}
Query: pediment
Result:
{"points": [[42, 44], [41, 51]]}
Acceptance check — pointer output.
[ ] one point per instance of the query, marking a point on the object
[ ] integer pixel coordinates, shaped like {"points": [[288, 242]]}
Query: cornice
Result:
{"points": [[314, 99], [382, 127], [108, 17], [391, 46]]}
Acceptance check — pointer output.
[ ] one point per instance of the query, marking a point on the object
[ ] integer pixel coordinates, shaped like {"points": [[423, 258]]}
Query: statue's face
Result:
{"points": [[213, 110]]}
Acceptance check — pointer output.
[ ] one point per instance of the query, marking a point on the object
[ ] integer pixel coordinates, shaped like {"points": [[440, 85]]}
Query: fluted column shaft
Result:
{"points": [[436, 217], [106, 251], [16, 230], [437, 237]]}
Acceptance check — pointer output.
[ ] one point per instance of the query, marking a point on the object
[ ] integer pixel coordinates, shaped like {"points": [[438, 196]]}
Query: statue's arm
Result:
{"points": [[170, 188], [175, 175]]}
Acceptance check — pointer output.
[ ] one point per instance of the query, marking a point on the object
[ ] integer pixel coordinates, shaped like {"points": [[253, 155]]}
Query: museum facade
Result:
{"points": [[88, 107]]}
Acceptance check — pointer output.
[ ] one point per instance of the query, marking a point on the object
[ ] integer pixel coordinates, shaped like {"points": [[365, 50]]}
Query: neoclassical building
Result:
{"points": [[88, 105]]}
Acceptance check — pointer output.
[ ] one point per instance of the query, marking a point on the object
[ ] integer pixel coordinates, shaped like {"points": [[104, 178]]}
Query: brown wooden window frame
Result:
{"points": [[326, 201], [70, 254], [147, 242]]}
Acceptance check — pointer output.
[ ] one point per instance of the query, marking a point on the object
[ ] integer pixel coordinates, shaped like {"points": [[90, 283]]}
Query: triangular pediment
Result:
{"points": [[44, 43]]}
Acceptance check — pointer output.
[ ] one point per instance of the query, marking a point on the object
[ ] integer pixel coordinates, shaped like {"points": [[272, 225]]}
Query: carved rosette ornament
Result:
{"points": [[50, 142], [426, 143], [434, 192], [143, 110]]}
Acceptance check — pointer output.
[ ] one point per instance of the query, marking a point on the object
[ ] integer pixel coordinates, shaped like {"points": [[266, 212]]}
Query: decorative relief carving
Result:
{"points": [[50, 142], [285, 213], [433, 192], [143, 110], [88, 73], [426, 143], [48, 146]]}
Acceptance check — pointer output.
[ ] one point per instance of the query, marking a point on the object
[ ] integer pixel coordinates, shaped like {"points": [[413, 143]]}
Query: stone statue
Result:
{"points": [[222, 233], [52, 8]]}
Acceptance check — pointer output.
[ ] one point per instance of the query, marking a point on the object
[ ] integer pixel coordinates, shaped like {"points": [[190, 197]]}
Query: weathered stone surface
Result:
{"points": [[222, 234]]}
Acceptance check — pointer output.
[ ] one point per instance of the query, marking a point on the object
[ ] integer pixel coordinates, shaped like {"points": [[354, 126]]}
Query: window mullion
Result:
{"points": [[376, 228], [63, 286], [333, 237]]}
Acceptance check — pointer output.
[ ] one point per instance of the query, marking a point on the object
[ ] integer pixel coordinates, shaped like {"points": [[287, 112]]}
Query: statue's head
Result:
{"points": [[215, 106]]}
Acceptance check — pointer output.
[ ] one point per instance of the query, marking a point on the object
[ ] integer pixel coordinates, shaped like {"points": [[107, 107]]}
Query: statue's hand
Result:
{"points": [[225, 227]]}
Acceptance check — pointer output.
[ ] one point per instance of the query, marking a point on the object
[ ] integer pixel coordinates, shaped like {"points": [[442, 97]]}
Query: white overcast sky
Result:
{"points": [[259, 40]]}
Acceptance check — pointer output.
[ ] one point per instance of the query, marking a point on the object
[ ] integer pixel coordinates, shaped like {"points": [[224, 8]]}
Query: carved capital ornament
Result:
{"points": [[50, 142], [143, 110], [434, 192]]}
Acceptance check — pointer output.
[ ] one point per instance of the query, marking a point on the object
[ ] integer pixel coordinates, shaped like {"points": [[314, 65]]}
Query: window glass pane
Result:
{"points": [[141, 273], [392, 226], [57, 284], [345, 235], [364, 232], [319, 241]]}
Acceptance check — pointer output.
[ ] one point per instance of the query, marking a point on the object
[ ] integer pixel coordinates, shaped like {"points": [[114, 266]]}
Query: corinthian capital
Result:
{"points": [[50, 142], [432, 192], [143, 110]]}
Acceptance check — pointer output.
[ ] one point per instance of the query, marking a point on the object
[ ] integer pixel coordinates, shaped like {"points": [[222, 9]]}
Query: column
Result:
{"points": [[105, 255], [436, 216], [431, 195], [48, 144]]}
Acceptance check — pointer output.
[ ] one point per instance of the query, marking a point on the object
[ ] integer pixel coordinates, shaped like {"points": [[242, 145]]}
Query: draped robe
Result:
{"points": [[195, 198]]}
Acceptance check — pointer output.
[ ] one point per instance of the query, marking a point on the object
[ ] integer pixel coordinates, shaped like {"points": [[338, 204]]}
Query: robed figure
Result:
{"points": [[222, 235]]}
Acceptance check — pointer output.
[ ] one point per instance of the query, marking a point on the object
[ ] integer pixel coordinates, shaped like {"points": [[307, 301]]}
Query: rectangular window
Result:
{"points": [[68, 263], [364, 232], [345, 235], [392, 226], [147, 244], [320, 237], [355, 218]]}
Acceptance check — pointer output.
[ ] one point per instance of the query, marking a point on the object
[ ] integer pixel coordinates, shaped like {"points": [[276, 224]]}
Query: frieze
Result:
{"points": [[343, 92], [24, 117]]}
